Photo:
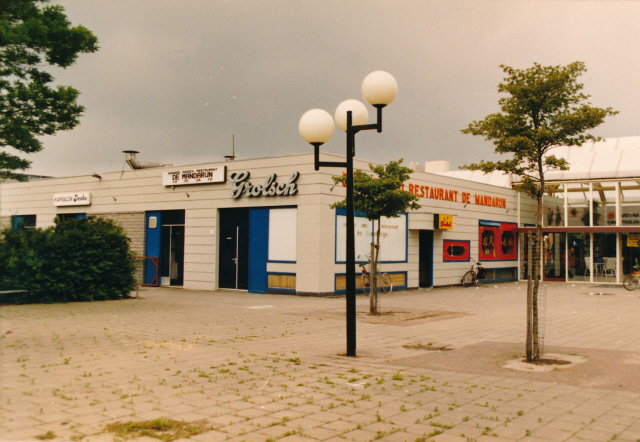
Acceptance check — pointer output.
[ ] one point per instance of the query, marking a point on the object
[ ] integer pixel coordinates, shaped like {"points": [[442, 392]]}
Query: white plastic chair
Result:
{"points": [[610, 267], [587, 266]]}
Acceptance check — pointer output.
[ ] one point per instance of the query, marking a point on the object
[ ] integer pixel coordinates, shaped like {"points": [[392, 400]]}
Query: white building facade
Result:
{"points": [[266, 226]]}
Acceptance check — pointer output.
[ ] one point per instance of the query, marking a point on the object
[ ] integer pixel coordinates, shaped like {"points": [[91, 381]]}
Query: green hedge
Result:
{"points": [[75, 260]]}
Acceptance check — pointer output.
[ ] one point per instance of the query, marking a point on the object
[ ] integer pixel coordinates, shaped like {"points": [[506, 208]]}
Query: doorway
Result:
{"points": [[164, 248], [172, 262], [553, 257], [426, 258], [233, 265]]}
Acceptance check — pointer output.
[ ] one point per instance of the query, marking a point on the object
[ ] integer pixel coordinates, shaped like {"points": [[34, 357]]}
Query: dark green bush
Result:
{"points": [[75, 260]]}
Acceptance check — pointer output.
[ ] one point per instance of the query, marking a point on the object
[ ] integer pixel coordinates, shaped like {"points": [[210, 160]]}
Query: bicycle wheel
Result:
{"points": [[387, 286], [630, 283], [467, 279], [366, 283]]}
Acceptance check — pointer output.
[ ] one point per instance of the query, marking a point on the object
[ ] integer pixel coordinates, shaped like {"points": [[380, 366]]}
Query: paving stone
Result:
{"points": [[238, 428]]}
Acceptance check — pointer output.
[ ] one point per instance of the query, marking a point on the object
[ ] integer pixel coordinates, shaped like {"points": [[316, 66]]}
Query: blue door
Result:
{"points": [[153, 224], [258, 249]]}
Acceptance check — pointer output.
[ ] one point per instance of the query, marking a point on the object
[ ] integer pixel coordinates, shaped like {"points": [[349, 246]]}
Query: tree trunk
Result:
{"points": [[373, 292], [375, 252], [533, 339]]}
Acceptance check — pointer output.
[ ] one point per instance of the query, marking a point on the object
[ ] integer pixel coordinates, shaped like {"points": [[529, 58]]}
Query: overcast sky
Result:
{"points": [[176, 79]]}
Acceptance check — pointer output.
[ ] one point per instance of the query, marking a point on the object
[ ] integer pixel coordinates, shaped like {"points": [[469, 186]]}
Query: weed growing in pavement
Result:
{"points": [[164, 429], [46, 436]]}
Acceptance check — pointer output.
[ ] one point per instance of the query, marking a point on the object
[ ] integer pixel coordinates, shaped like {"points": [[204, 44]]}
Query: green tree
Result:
{"points": [[33, 37], [544, 108], [379, 195]]}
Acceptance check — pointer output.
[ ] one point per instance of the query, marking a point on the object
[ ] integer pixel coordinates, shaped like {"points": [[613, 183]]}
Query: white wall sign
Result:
{"points": [[630, 216], [195, 176], [72, 199], [283, 234], [393, 238]]}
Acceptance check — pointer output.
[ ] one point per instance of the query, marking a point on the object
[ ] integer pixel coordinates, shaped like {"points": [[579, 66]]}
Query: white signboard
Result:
{"points": [[283, 234], [195, 176], [72, 199], [630, 216], [363, 230], [393, 238]]}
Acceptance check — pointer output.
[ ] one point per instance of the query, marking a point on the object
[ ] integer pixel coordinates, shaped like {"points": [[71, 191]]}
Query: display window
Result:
{"points": [[488, 240], [456, 250], [508, 241], [498, 241]]}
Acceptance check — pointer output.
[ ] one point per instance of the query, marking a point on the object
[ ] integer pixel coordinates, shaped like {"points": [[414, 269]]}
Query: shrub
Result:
{"points": [[75, 260]]}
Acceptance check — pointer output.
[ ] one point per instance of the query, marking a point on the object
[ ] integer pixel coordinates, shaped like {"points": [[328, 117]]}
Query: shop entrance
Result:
{"points": [[233, 265], [165, 248], [426, 258], [553, 257]]}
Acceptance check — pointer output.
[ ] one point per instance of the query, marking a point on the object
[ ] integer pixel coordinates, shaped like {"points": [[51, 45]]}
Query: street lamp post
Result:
{"points": [[316, 126]]}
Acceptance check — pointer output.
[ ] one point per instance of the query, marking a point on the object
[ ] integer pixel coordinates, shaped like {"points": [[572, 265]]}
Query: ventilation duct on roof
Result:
{"points": [[134, 163]]}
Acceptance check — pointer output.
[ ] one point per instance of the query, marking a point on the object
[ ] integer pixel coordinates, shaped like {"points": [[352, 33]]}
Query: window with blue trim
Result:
{"points": [[283, 234], [393, 237], [497, 241]]}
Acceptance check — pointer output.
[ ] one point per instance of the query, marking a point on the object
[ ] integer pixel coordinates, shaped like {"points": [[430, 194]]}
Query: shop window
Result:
{"points": [[508, 243], [21, 222], [455, 250], [66, 216], [393, 237], [506, 274], [497, 241], [283, 234]]}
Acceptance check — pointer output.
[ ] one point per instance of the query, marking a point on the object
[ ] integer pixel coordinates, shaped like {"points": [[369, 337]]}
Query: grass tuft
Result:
{"points": [[164, 429]]}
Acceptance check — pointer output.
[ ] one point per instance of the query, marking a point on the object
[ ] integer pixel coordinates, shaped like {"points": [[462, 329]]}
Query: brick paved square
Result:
{"points": [[135, 370]]}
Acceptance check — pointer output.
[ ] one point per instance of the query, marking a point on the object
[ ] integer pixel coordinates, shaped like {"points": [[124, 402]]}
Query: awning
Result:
{"points": [[489, 223]]}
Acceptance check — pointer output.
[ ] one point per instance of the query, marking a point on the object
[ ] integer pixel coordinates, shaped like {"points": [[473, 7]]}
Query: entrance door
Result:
{"points": [[172, 245], [233, 266], [426, 258], [234, 263], [553, 257], [164, 246]]}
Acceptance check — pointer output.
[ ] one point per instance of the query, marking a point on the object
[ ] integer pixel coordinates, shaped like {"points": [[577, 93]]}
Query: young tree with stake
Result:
{"points": [[544, 108], [380, 195]]}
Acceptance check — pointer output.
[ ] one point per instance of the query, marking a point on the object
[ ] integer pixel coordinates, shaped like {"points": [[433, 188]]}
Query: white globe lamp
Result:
{"points": [[359, 113], [379, 88], [316, 126]]}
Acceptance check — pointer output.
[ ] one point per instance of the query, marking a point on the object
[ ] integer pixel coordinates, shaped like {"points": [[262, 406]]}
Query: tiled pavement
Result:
{"points": [[267, 367]]}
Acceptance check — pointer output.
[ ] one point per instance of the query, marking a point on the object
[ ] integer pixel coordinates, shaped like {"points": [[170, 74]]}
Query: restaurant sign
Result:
{"points": [[72, 199], [195, 176]]}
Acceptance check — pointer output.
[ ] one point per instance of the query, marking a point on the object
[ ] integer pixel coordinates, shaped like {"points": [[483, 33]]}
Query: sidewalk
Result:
{"points": [[267, 367]]}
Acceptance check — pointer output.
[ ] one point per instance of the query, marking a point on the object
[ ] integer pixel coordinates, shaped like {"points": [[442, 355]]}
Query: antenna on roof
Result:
{"points": [[233, 142]]}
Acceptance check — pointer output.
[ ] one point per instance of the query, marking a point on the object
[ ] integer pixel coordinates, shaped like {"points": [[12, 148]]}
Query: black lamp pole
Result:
{"points": [[351, 246]]}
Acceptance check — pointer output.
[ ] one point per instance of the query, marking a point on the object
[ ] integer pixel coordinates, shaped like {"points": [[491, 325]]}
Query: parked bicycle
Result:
{"points": [[475, 275], [384, 280], [630, 282]]}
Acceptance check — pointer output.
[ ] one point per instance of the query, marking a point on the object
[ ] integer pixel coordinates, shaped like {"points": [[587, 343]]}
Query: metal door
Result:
{"points": [[234, 257]]}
